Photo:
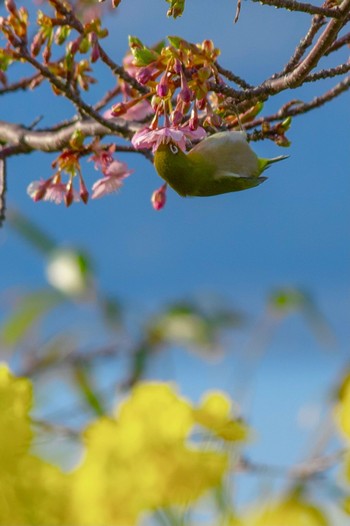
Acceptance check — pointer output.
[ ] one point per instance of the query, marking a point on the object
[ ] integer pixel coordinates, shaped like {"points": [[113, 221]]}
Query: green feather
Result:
{"points": [[221, 163]]}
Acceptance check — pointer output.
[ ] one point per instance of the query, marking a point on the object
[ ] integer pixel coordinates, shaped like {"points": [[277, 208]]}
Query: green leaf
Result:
{"points": [[31, 308], [175, 41], [144, 56], [135, 43]]}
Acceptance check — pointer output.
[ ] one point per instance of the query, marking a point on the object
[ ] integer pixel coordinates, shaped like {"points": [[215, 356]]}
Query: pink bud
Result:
{"points": [[208, 46], [185, 93], [69, 197], [73, 47], [145, 74], [37, 43], [119, 109], [11, 7], [178, 67], [163, 86], [83, 191], [194, 121], [47, 54], [158, 198], [176, 117], [95, 52]]}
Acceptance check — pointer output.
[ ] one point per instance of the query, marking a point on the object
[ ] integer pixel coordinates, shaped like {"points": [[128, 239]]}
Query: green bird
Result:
{"points": [[221, 163]]}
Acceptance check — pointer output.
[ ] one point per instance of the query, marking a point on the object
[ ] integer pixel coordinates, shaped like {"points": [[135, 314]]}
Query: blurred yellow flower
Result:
{"points": [[158, 411], [342, 408], [346, 505], [31, 490], [215, 413], [15, 403], [141, 460], [289, 512]]}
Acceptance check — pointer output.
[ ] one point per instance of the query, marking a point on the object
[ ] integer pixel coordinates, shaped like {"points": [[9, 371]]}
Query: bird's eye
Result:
{"points": [[174, 149]]}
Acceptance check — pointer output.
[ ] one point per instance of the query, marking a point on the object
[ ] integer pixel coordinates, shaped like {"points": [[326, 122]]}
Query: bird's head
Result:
{"points": [[169, 158], [173, 165]]}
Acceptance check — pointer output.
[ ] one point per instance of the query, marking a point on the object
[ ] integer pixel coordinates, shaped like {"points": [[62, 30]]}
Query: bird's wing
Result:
{"points": [[235, 183], [227, 152]]}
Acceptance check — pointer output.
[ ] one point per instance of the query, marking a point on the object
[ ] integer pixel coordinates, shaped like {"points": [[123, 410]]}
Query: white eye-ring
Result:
{"points": [[174, 149]]}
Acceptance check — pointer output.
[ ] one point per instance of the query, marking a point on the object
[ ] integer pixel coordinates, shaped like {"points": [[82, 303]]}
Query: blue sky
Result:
{"points": [[292, 230]]}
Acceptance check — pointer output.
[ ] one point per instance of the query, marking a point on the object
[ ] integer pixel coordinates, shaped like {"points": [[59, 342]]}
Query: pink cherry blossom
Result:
{"points": [[51, 191], [102, 158], [113, 178], [148, 138]]}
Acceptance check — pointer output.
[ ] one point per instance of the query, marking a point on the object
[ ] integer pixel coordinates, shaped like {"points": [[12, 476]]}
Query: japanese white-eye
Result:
{"points": [[221, 163]]}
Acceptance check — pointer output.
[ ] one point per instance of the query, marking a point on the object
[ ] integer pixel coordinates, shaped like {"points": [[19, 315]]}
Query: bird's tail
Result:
{"points": [[265, 163]]}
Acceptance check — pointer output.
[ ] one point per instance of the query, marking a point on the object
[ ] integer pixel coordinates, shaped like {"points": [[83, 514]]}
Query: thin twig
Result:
{"points": [[298, 108], [316, 23], [22, 84], [234, 78], [338, 44], [328, 73], [301, 7]]}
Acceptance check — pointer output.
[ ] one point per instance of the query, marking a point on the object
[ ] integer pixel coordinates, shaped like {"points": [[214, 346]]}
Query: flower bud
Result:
{"points": [[158, 198], [119, 109], [176, 117], [177, 67], [95, 52], [208, 46], [185, 92], [163, 86], [69, 197], [194, 121], [47, 54], [83, 191], [37, 42], [11, 7]]}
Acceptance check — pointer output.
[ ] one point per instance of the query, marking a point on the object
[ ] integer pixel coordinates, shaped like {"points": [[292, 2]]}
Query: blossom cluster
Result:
{"points": [[57, 191], [157, 452], [173, 91]]}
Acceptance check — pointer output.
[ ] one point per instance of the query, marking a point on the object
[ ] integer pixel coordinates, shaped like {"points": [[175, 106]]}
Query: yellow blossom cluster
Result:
{"points": [[291, 511], [342, 415], [142, 459], [342, 409], [148, 455], [31, 490], [156, 452]]}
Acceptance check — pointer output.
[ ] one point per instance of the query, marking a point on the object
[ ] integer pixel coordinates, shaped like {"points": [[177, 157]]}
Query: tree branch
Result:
{"points": [[328, 73], [73, 21], [338, 44], [242, 99], [304, 44], [294, 108], [22, 84], [22, 140], [292, 5]]}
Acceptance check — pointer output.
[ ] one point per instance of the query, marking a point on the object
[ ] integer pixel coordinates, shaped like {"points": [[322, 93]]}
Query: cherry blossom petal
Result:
{"points": [[117, 169], [147, 138], [105, 186]]}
